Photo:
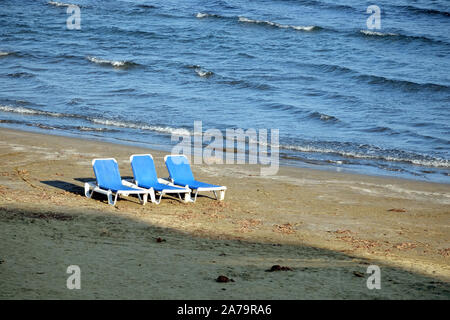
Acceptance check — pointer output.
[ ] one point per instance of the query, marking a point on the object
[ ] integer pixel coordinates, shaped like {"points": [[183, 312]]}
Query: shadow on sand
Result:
{"points": [[121, 259], [79, 189]]}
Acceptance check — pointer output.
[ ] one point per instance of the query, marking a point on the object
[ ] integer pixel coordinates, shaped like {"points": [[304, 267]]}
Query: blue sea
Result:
{"points": [[344, 97]]}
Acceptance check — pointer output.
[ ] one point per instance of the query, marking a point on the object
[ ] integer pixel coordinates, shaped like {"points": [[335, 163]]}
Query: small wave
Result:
{"points": [[204, 74], [324, 117], [125, 90], [132, 125], [20, 75], [278, 25], [426, 161], [11, 121], [113, 63], [377, 33], [247, 84], [425, 10], [200, 71], [146, 6], [246, 55], [74, 101], [202, 15], [283, 107], [380, 80], [60, 4], [404, 84], [30, 111], [5, 53], [101, 121], [41, 126], [333, 68], [399, 36], [93, 129], [193, 66], [37, 125], [381, 129]]}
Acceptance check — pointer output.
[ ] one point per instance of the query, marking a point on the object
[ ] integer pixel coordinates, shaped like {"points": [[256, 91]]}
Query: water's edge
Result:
{"points": [[160, 148]]}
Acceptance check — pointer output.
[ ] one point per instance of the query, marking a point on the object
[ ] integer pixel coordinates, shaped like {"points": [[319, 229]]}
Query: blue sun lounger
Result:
{"points": [[145, 176], [110, 183], [181, 174]]}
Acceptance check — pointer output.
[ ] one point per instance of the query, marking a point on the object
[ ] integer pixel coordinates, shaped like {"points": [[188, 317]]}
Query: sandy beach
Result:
{"points": [[327, 227]]}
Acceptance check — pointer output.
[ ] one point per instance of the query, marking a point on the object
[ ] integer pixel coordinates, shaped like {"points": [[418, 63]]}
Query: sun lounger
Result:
{"points": [[181, 174], [145, 177], [110, 183]]}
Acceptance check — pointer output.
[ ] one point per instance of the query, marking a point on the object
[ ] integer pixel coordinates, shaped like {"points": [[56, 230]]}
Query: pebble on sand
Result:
{"points": [[224, 279], [279, 268]]}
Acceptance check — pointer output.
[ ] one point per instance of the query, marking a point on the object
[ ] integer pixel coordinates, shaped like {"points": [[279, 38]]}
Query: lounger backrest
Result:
{"points": [[107, 173], [144, 169], [179, 168]]}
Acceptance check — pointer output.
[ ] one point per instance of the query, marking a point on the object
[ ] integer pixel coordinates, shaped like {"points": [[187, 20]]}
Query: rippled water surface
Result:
{"points": [[342, 96]]}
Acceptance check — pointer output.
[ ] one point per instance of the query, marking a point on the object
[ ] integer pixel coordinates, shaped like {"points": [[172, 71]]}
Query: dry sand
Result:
{"points": [[328, 227]]}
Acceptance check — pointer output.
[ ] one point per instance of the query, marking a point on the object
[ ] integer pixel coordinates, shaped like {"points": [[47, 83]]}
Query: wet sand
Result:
{"points": [[328, 227]]}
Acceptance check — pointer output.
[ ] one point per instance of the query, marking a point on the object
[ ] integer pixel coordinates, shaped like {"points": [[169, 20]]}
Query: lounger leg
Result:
{"points": [[110, 198], [143, 200], [187, 197], [195, 196], [159, 200], [87, 190], [152, 195], [221, 195], [215, 194]]}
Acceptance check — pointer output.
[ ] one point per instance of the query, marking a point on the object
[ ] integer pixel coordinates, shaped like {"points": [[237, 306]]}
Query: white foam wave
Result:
{"points": [[23, 110], [116, 64], [443, 163], [204, 74], [107, 122], [59, 4], [202, 15], [82, 128], [377, 33], [131, 125], [201, 72], [326, 117], [278, 25]]}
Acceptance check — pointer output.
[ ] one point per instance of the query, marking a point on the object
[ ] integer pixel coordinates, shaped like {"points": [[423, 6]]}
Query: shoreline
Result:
{"points": [[300, 164], [310, 220]]}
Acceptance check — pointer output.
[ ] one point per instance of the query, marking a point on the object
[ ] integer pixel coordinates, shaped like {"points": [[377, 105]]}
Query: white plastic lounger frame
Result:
{"points": [[91, 187], [214, 190], [187, 191]]}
